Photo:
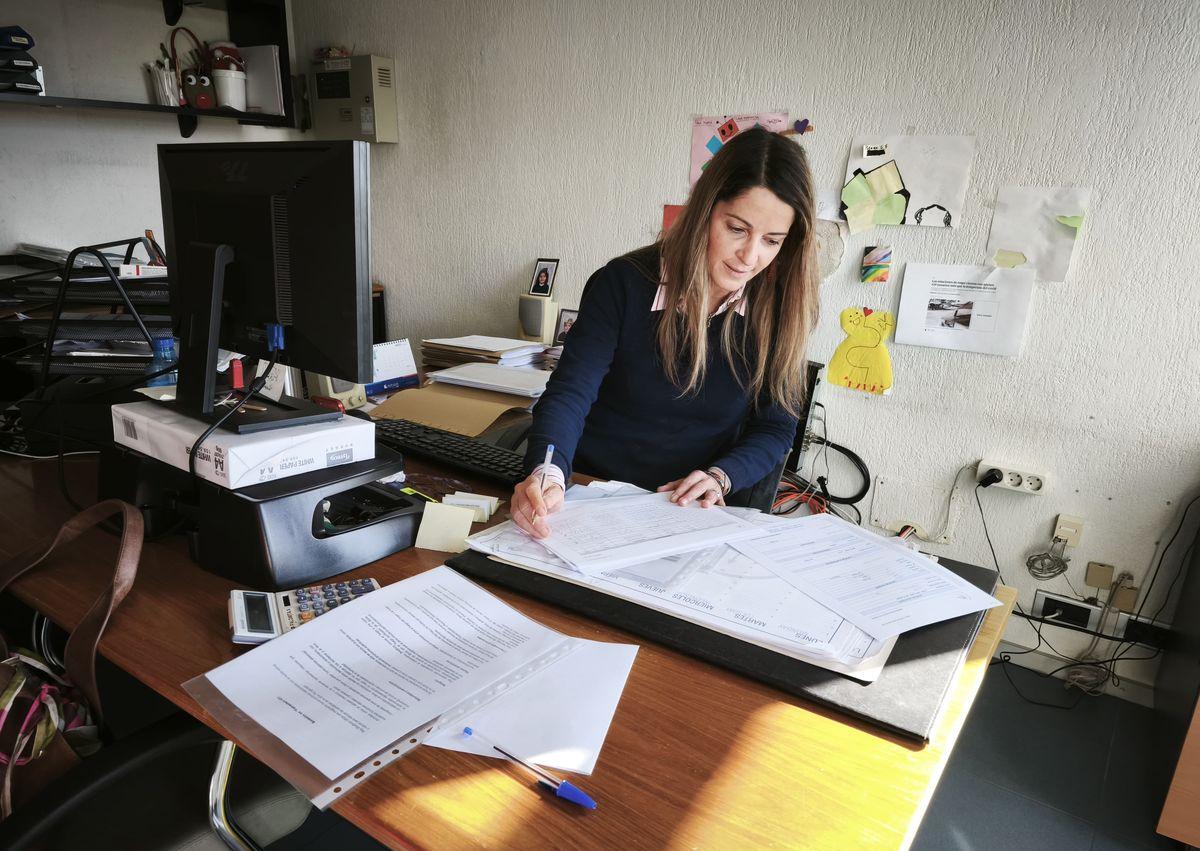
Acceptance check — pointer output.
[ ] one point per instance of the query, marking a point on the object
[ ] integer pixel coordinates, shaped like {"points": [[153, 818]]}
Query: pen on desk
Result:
{"points": [[561, 788]]}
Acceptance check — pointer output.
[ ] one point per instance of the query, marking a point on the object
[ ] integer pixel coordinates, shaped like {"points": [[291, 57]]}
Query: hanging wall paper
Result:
{"points": [[1038, 225], [876, 264], [970, 308], [710, 133], [906, 180], [861, 361]]}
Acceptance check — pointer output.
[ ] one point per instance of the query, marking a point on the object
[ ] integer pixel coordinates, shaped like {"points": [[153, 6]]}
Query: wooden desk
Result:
{"points": [[696, 757]]}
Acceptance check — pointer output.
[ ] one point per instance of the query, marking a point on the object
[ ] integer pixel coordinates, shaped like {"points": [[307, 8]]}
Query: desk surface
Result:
{"points": [[697, 757]]}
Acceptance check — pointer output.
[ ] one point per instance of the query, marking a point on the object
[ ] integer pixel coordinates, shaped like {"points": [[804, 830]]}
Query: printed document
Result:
{"points": [[878, 586], [348, 684], [970, 308], [602, 534]]}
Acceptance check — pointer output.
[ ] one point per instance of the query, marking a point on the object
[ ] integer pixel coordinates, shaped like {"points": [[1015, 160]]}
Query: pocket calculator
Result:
{"points": [[258, 616]]}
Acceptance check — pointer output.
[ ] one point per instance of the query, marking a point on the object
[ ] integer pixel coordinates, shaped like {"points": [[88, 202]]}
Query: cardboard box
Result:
{"points": [[240, 460]]}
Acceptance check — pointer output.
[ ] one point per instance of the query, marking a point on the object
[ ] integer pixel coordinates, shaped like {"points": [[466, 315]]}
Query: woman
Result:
{"points": [[686, 365]]}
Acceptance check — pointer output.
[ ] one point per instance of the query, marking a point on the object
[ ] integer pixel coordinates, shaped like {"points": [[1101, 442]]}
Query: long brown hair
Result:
{"points": [[768, 355]]}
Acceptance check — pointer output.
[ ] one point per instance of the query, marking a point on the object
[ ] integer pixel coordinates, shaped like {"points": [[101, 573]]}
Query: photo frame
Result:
{"points": [[566, 318], [544, 272]]}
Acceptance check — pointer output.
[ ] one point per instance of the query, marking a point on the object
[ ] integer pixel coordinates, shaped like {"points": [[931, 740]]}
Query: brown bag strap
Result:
{"points": [[80, 654]]}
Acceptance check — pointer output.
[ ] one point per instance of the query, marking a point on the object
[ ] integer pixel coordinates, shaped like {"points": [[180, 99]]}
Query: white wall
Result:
{"points": [[560, 128]]}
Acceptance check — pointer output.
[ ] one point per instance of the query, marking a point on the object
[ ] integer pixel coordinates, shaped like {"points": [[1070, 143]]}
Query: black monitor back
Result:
{"points": [[297, 216]]}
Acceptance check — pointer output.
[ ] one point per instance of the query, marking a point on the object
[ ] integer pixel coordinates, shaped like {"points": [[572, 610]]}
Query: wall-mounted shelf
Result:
{"points": [[251, 22], [188, 117]]}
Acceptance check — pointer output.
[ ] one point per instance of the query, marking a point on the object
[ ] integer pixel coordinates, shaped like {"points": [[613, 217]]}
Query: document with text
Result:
{"points": [[602, 534], [424, 652], [882, 588]]}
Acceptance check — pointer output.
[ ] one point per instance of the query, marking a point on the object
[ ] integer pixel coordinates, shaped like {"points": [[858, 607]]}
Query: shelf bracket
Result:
{"points": [[172, 11], [187, 125]]}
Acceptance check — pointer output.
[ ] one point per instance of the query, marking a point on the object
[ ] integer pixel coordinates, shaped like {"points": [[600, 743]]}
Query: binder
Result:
{"points": [[905, 700]]}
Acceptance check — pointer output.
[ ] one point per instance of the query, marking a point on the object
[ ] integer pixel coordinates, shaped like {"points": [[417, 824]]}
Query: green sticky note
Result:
{"points": [[1006, 259], [1070, 221], [856, 191], [890, 211]]}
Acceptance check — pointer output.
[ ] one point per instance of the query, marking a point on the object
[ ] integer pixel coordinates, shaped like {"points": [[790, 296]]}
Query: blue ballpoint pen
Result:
{"points": [[561, 788]]}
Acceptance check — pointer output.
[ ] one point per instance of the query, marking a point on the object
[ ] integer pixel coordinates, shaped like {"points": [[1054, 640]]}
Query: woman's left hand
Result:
{"points": [[696, 485]]}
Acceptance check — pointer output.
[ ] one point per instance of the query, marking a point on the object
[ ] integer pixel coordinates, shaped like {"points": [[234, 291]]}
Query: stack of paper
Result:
{"points": [[814, 588], [476, 348], [520, 381]]}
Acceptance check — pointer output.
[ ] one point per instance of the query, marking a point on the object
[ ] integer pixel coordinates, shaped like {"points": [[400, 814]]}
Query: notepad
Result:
{"points": [[444, 527]]}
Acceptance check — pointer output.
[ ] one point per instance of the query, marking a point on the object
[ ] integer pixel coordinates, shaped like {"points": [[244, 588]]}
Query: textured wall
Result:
{"points": [[560, 128]]}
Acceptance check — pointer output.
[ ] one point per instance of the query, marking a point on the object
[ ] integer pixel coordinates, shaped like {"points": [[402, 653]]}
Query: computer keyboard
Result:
{"points": [[454, 450]]}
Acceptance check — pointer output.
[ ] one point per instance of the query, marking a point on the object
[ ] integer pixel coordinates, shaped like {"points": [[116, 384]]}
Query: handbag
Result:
{"points": [[48, 723]]}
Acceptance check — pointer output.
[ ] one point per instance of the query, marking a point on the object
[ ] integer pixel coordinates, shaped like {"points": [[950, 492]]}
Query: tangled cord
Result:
{"points": [[1047, 565]]}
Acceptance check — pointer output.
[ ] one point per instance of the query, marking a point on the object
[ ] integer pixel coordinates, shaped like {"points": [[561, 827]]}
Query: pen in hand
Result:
{"points": [[545, 779], [545, 466]]}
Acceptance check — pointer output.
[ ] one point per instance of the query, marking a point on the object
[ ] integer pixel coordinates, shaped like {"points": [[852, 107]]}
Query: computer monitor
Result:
{"points": [[262, 237]]}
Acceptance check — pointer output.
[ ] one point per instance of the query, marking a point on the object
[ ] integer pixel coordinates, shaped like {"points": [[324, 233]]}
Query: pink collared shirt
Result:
{"points": [[734, 300]]}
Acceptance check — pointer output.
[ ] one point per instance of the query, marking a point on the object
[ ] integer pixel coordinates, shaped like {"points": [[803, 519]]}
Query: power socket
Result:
{"points": [[1141, 630], [1065, 609], [1020, 481]]}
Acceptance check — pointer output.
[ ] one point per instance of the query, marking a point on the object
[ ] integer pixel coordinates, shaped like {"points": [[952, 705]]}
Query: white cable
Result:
{"points": [[934, 539]]}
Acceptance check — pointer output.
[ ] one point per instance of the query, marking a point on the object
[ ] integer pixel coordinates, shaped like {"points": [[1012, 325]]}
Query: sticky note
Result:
{"points": [[444, 527], [860, 217], [884, 181], [481, 505], [1070, 221], [856, 191], [1006, 259], [890, 211]]}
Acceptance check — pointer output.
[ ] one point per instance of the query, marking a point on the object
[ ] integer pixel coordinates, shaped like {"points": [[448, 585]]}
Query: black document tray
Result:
{"points": [[904, 700]]}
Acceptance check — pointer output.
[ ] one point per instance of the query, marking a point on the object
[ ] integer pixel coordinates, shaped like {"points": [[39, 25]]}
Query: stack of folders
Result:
{"points": [[814, 588], [476, 348], [19, 71]]}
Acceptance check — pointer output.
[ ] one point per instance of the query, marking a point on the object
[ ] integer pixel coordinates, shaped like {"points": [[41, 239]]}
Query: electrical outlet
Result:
{"points": [[1069, 529], [1141, 630], [1065, 609], [1021, 481]]}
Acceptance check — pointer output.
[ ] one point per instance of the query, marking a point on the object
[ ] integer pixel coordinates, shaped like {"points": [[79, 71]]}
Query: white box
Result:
{"points": [[240, 460]]}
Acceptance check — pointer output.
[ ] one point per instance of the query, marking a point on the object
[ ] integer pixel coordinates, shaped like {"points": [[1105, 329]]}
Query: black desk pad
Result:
{"points": [[905, 699]]}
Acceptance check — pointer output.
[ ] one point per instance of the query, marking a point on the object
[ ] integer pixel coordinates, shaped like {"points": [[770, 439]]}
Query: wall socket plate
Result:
{"points": [[1072, 611], [1069, 529], [1021, 481]]}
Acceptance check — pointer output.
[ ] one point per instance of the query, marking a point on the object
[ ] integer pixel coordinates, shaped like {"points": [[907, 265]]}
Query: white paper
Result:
{"points": [[490, 376], [597, 535], [970, 308], [393, 359], [352, 681], [559, 718], [720, 589], [829, 203], [488, 344], [880, 588], [1026, 221], [934, 169]]}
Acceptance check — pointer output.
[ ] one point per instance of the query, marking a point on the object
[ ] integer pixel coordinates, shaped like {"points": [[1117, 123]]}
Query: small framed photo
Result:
{"points": [[543, 277], [566, 318]]}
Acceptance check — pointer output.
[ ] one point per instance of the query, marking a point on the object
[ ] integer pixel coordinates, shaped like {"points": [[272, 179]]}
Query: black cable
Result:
{"points": [[1074, 628], [1004, 663], [821, 481], [254, 387], [1163, 555]]}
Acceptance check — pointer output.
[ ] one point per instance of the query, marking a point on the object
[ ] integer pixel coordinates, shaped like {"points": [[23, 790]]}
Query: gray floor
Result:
{"points": [[1032, 777], [1021, 777]]}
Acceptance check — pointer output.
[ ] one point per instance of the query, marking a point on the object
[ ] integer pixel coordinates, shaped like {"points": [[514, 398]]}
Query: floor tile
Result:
{"points": [[1136, 781], [1056, 756], [971, 814]]}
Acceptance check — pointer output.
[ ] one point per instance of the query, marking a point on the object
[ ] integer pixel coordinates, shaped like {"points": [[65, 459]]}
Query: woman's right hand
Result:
{"points": [[531, 505]]}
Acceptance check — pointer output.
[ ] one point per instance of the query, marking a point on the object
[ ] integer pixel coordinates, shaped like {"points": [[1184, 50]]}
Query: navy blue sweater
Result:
{"points": [[610, 410]]}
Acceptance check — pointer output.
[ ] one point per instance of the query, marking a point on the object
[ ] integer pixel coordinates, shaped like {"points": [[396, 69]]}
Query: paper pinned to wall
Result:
{"points": [[831, 246], [1039, 222], [906, 180], [861, 361], [876, 264], [970, 308], [711, 132]]}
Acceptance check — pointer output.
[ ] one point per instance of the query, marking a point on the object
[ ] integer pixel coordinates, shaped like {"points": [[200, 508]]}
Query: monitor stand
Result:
{"points": [[201, 289]]}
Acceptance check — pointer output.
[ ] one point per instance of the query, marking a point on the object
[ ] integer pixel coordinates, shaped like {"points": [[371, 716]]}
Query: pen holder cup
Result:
{"points": [[231, 88]]}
